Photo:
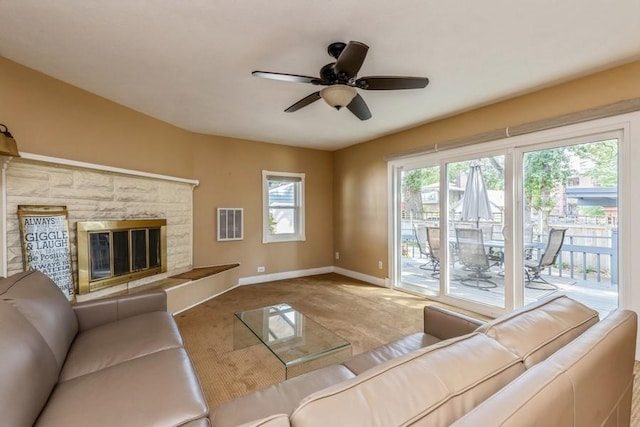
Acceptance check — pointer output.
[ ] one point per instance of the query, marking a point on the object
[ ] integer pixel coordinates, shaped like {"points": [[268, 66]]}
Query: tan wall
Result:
{"points": [[54, 119], [231, 177], [360, 176], [51, 118]]}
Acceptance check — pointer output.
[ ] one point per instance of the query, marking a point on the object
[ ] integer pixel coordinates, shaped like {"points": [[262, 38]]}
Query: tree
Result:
{"points": [[492, 171], [412, 183], [604, 156], [546, 171], [591, 210]]}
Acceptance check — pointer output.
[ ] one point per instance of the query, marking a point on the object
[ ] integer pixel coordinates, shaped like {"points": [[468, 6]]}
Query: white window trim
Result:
{"points": [[300, 234]]}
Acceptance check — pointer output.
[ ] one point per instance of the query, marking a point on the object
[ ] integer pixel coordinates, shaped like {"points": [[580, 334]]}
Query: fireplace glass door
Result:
{"points": [[100, 255], [114, 253], [119, 251]]}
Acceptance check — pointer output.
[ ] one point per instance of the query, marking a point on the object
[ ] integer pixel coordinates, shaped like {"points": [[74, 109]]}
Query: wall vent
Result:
{"points": [[230, 224]]}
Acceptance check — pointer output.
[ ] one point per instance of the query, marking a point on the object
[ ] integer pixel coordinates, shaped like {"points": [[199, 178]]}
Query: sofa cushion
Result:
{"points": [[439, 324], [96, 312], [443, 323], [432, 386], [200, 422], [281, 398], [537, 330], [524, 404], [586, 383], [44, 305], [278, 420], [28, 370], [157, 389], [368, 359], [119, 341]]}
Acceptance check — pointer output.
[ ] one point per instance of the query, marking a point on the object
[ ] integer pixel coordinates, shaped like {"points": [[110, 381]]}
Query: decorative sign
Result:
{"points": [[44, 233]]}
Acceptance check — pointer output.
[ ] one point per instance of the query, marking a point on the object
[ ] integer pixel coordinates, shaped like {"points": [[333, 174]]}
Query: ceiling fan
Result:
{"points": [[340, 80]]}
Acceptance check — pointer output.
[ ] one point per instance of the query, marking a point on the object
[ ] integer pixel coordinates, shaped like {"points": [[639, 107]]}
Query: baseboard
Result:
{"points": [[284, 275], [251, 280], [360, 276]]}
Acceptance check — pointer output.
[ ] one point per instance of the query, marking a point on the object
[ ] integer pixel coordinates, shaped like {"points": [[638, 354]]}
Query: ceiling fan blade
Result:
{"points": [[295, 78], [358, 107], [303, 102], [391, 83], [351, 59]]}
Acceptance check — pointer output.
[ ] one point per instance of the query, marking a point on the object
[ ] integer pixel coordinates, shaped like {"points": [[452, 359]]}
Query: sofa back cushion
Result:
{"points": [[44, 305], [443, 323], [278, 420], [28, 370], [431, 386], [589, 382], [280, 398], [536, 331]]}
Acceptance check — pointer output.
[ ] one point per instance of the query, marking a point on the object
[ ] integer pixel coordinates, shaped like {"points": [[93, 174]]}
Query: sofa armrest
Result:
{"points": [[104, 310], [445, 324]]}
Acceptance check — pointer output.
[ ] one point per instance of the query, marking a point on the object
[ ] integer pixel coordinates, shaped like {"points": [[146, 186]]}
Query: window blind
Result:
{"points": [[620, 107]]}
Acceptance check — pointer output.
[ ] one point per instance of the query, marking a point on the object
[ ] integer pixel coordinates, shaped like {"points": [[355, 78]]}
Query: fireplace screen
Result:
{"points": [[114, 252]]}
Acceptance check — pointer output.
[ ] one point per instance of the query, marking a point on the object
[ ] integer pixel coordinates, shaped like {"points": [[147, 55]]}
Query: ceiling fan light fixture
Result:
{"points": [[338, 96]]}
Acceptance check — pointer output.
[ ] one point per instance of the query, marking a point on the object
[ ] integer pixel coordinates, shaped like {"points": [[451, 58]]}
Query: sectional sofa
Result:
{"points": [[121, 362], [552, 363], [113, 362]]}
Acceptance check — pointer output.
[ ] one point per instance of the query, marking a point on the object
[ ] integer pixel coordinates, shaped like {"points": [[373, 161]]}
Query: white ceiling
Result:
{"points": [[189, 63]]}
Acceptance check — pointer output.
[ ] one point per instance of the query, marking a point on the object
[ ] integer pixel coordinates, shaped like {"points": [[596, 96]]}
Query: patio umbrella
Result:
{"points": [[475, 201]]}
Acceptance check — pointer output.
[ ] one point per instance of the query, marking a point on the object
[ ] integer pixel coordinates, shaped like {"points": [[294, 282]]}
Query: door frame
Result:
{"points": [[629, 146], [467, 155]]}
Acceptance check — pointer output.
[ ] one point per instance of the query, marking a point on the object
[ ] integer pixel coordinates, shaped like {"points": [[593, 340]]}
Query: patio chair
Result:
{"points": [[495, 255], [473, 256], [528, 238], [426, 249], [533, 267], [433, 239]]}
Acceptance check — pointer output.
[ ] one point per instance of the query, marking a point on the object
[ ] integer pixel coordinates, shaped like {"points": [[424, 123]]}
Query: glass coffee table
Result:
{"points": [[299, 343]]}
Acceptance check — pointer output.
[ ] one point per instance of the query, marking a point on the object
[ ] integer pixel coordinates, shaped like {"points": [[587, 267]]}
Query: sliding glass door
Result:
{"points": [[418, 215], [450, 222], [475, 222], [570, 221], [491, 230]]}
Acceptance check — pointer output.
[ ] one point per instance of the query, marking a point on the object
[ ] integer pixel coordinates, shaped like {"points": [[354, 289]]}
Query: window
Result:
{"points": [[283, 207]]}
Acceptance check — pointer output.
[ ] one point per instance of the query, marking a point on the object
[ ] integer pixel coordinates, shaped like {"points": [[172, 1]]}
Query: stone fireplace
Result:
{"points": [[110, 197], [114, 252]]}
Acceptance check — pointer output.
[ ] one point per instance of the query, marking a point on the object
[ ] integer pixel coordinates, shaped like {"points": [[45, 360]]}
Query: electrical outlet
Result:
{"points": [[261, 269], [379, 265], [337, 255]]}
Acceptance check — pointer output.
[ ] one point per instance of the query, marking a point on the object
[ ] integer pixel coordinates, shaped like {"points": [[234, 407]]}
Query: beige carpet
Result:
{"points": [[363, 314]]}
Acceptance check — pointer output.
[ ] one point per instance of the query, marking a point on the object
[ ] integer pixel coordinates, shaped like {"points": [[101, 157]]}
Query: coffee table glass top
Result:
{"points": [[290, 335]]}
